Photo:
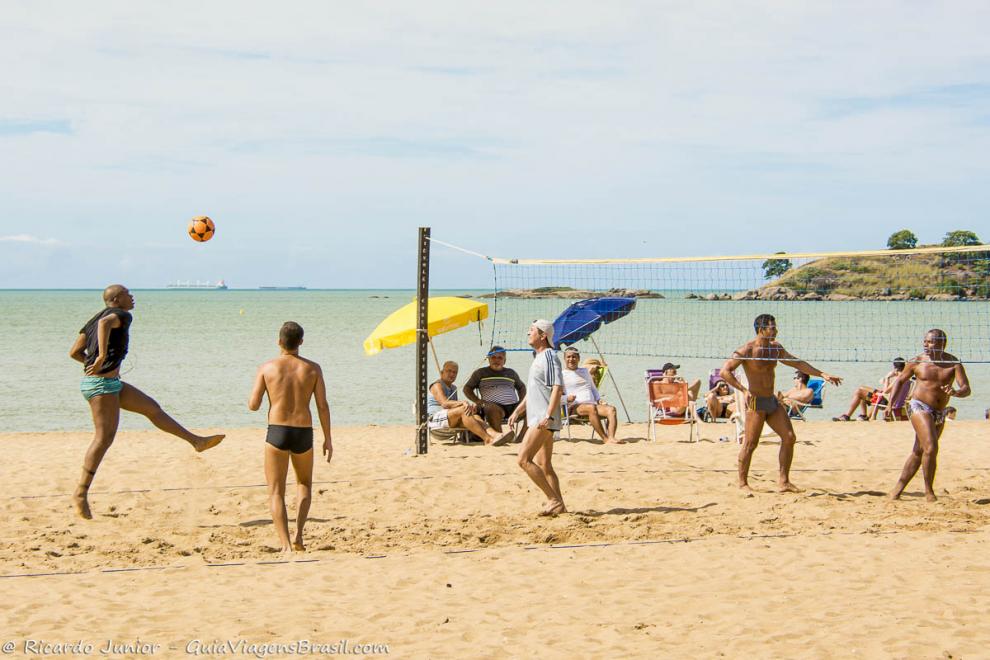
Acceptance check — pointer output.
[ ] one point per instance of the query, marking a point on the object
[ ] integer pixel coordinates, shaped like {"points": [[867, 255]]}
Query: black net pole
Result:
{"points": [[422, 366]]}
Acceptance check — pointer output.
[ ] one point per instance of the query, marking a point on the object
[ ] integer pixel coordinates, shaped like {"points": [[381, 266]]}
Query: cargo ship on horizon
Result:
{"points": [[219, 285]]}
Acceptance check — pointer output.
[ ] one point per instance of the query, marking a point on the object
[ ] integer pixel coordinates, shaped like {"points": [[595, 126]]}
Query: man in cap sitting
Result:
{"points": [[496, 389]]}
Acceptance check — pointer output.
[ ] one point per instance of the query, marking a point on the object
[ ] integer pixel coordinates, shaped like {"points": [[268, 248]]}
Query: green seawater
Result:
{"points": [[196, 353]]}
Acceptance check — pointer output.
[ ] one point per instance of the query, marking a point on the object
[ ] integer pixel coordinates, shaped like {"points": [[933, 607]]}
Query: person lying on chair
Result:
{"points": [[445, 411], [582, 398], [798, 396]]}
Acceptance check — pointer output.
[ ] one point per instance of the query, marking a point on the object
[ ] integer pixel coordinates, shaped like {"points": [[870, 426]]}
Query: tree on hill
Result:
{"points": [[960, 237], [902, 240], [775, 267]]}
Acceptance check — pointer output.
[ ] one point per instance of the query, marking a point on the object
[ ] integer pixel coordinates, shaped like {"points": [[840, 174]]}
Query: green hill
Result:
{"points": [[927, 276]]}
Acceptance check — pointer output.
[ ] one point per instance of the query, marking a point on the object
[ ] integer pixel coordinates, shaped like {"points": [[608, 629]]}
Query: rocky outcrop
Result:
{"points": [[779, 293], [577, 294]]}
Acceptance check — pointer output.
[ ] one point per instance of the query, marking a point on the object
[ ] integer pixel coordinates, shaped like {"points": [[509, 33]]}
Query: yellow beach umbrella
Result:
{"points": [[446, 313]]}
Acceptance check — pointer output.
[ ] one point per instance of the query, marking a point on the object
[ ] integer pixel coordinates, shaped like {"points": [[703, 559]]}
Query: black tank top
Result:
{"points": [[116, 344]]}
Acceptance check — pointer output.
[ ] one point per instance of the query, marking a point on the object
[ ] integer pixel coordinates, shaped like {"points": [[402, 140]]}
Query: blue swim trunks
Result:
{"points": [[96, 385]]}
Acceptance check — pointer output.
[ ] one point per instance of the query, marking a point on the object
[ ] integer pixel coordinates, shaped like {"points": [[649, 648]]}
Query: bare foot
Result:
{"points": [[553, 508], [788, 487], [81, 502], [930, 497], [745, 488], [202, 444], [298, 546], [614, 441]]}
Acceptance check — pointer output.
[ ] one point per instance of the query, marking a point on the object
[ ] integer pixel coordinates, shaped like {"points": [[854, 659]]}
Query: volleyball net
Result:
{"points": [[866, 306]]}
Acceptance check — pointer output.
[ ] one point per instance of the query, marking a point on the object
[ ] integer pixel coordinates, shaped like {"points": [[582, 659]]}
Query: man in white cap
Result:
{"points": [[542, 405]]}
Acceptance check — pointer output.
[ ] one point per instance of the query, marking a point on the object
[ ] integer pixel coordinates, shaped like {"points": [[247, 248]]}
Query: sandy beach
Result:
{"points": [[444, 555]]}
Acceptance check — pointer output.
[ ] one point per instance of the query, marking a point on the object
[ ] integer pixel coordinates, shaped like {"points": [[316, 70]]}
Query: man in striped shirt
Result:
{"points": [[495, 389], [542, 408]]}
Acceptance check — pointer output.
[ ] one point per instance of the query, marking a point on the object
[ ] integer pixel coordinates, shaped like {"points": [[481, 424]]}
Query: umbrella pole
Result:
{"points": [[435, 358], [614, 384]]}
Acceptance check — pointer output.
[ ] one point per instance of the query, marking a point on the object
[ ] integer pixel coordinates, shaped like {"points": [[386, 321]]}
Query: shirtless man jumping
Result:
{"points": [[291, 382], [101, 346], [759, 358], [936, 374]]}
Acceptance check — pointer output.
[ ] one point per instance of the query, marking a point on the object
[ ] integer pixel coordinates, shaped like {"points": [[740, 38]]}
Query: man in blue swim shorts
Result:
{"points": [[938, 377], [101, 347]]}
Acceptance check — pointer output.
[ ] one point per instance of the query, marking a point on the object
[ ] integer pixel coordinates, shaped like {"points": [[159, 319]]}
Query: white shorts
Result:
{"points": [[438, 420]]}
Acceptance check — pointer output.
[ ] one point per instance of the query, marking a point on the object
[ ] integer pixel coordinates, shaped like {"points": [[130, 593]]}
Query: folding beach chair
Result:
{"points": [[896, 408], [663, 397], [454, 435], [571, 418]]}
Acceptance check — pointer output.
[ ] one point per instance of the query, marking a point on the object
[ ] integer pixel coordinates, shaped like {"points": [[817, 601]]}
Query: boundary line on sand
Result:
{"points": [[131, 491], [461, 551]]}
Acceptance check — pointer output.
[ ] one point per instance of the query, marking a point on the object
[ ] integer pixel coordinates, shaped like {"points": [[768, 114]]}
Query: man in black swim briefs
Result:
{"points": [[759, 358], [291, 382], [101, 346]]}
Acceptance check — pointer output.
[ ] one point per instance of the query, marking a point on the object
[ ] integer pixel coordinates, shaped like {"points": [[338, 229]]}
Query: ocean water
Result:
{"points": [[196, 353]]}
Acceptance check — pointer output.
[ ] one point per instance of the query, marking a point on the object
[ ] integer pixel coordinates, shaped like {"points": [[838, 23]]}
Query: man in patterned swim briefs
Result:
{"points": [[938, 377]]}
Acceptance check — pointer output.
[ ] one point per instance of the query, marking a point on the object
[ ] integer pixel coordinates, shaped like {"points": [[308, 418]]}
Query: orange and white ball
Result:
{"points": [[201, 229]]}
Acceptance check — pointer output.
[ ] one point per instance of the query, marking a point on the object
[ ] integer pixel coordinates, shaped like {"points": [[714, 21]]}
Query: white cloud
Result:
{"points": [[343, 125], [27, 238]]}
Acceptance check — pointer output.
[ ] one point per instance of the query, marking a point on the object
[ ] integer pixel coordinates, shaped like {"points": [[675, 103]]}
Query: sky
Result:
{"points": [[320, 135]]}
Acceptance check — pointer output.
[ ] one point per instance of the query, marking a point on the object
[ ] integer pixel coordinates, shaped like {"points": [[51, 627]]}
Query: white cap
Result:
{"points": [[546, 327]]}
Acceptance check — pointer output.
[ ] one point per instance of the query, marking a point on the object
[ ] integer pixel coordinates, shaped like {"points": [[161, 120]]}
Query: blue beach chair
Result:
{"points": [[817, 386]]}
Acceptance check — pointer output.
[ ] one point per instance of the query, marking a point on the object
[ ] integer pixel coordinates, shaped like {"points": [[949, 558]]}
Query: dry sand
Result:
{"points": [[443, 555]]}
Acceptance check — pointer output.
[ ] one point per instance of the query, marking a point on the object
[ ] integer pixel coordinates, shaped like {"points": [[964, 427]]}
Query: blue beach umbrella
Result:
{"points": [[582, 319]]}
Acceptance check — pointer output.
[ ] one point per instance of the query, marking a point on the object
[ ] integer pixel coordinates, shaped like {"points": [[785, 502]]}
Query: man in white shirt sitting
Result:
{"points": [[582, 398]]}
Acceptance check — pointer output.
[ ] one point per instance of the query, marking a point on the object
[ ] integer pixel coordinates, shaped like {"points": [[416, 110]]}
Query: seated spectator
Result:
{"points": [[798, 396], [444, 411], [582, 398], [669, 370], [496, 390], [720, 403], [865, 395]]}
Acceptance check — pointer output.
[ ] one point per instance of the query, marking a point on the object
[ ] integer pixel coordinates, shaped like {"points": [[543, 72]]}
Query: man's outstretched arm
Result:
{"points": [[323, 409], [807, 368]]}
